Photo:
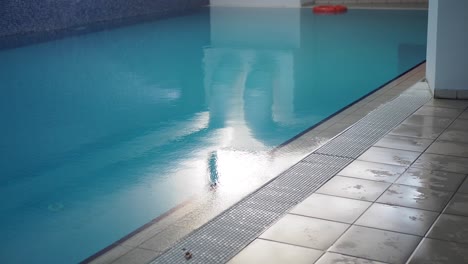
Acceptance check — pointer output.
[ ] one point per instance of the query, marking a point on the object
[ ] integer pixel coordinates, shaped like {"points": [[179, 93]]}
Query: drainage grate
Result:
{"points": [[228, 233], [367, 131], [221, 238]]}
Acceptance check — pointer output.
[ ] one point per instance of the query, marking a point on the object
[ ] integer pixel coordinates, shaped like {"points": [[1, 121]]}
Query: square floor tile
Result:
{"points": [[454, 135], [354, 188], [389, 156], [464, 115], [137, 256], [462, 94], [328, 133], [434, 251], [438, 111], [437, 180], [464, 187], [445, 93], [394, 91], [449, 148], [459, 104], [417, 131], [331, 208], [442, 163], [335, 258], [452, 228], [458, 205], [374, 104], [338, 127], [351, 119], [363, 110], [418, 92], [373, 171], [262, 251], [111, 255], [305, 231], [384, 98], [460, 124], [404, 143], [398, 219], [385, 246], [415, 197], [430, 121]]}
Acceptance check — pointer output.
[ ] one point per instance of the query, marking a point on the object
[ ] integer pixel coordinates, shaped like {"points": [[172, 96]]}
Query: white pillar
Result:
{"points": [[447, 49]]}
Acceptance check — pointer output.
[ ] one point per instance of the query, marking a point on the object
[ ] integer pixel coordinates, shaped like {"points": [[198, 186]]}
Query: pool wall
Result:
{"points": [[32, 16]]}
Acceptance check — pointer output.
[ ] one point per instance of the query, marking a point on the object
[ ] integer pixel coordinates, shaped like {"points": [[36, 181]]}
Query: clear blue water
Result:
{"points": [[105, 131]]}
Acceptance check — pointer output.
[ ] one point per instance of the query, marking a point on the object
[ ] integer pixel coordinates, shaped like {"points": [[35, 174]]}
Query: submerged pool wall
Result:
{"points": [[33, 16]]}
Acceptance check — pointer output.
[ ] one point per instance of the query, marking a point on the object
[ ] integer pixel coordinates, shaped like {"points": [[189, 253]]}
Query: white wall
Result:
{"points": [[431, 44], [287, 34], [447, 58], [258, 3]]}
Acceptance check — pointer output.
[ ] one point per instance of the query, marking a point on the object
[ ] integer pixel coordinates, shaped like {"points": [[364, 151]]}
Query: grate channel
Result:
{"points": [[221, 238], [367, 131]]}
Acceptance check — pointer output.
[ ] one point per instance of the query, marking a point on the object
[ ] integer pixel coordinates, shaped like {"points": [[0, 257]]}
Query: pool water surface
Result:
{"points": [[103, 132]]}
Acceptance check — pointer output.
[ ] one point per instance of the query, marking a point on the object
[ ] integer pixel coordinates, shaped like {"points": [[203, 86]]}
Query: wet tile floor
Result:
{"points": [[405, 200]]}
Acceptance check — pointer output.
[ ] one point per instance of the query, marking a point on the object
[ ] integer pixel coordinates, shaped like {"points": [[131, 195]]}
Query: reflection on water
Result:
{"points": [[213, 168], [103, 132]]}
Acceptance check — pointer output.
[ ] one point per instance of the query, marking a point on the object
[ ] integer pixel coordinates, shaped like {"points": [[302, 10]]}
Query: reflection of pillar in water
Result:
{"points": [[213, 167]]}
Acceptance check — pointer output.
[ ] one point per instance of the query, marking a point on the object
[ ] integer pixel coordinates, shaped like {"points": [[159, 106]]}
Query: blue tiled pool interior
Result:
{"points": [[103, 132]]}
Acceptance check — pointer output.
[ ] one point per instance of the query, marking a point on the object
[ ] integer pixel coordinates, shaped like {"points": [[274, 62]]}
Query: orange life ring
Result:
{"points": [[340, 8], [329, 9]]}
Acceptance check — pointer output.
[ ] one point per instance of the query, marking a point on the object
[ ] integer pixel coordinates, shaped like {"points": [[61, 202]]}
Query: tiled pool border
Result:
{"points": [[322, 132]]}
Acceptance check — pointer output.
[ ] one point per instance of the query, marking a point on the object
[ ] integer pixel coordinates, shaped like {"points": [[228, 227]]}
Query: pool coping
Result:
{"points": [[319, 133]]}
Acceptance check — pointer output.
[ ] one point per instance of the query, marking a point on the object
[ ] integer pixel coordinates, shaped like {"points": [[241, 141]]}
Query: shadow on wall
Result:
{"points": [[28, 16]]}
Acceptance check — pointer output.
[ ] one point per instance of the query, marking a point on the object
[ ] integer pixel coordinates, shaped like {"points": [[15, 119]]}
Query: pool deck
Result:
{"points": [[404, 200]]}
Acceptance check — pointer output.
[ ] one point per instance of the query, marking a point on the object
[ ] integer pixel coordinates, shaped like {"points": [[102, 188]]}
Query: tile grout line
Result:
{"points": [[394, 183], [446, 205], [375, 201]]}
